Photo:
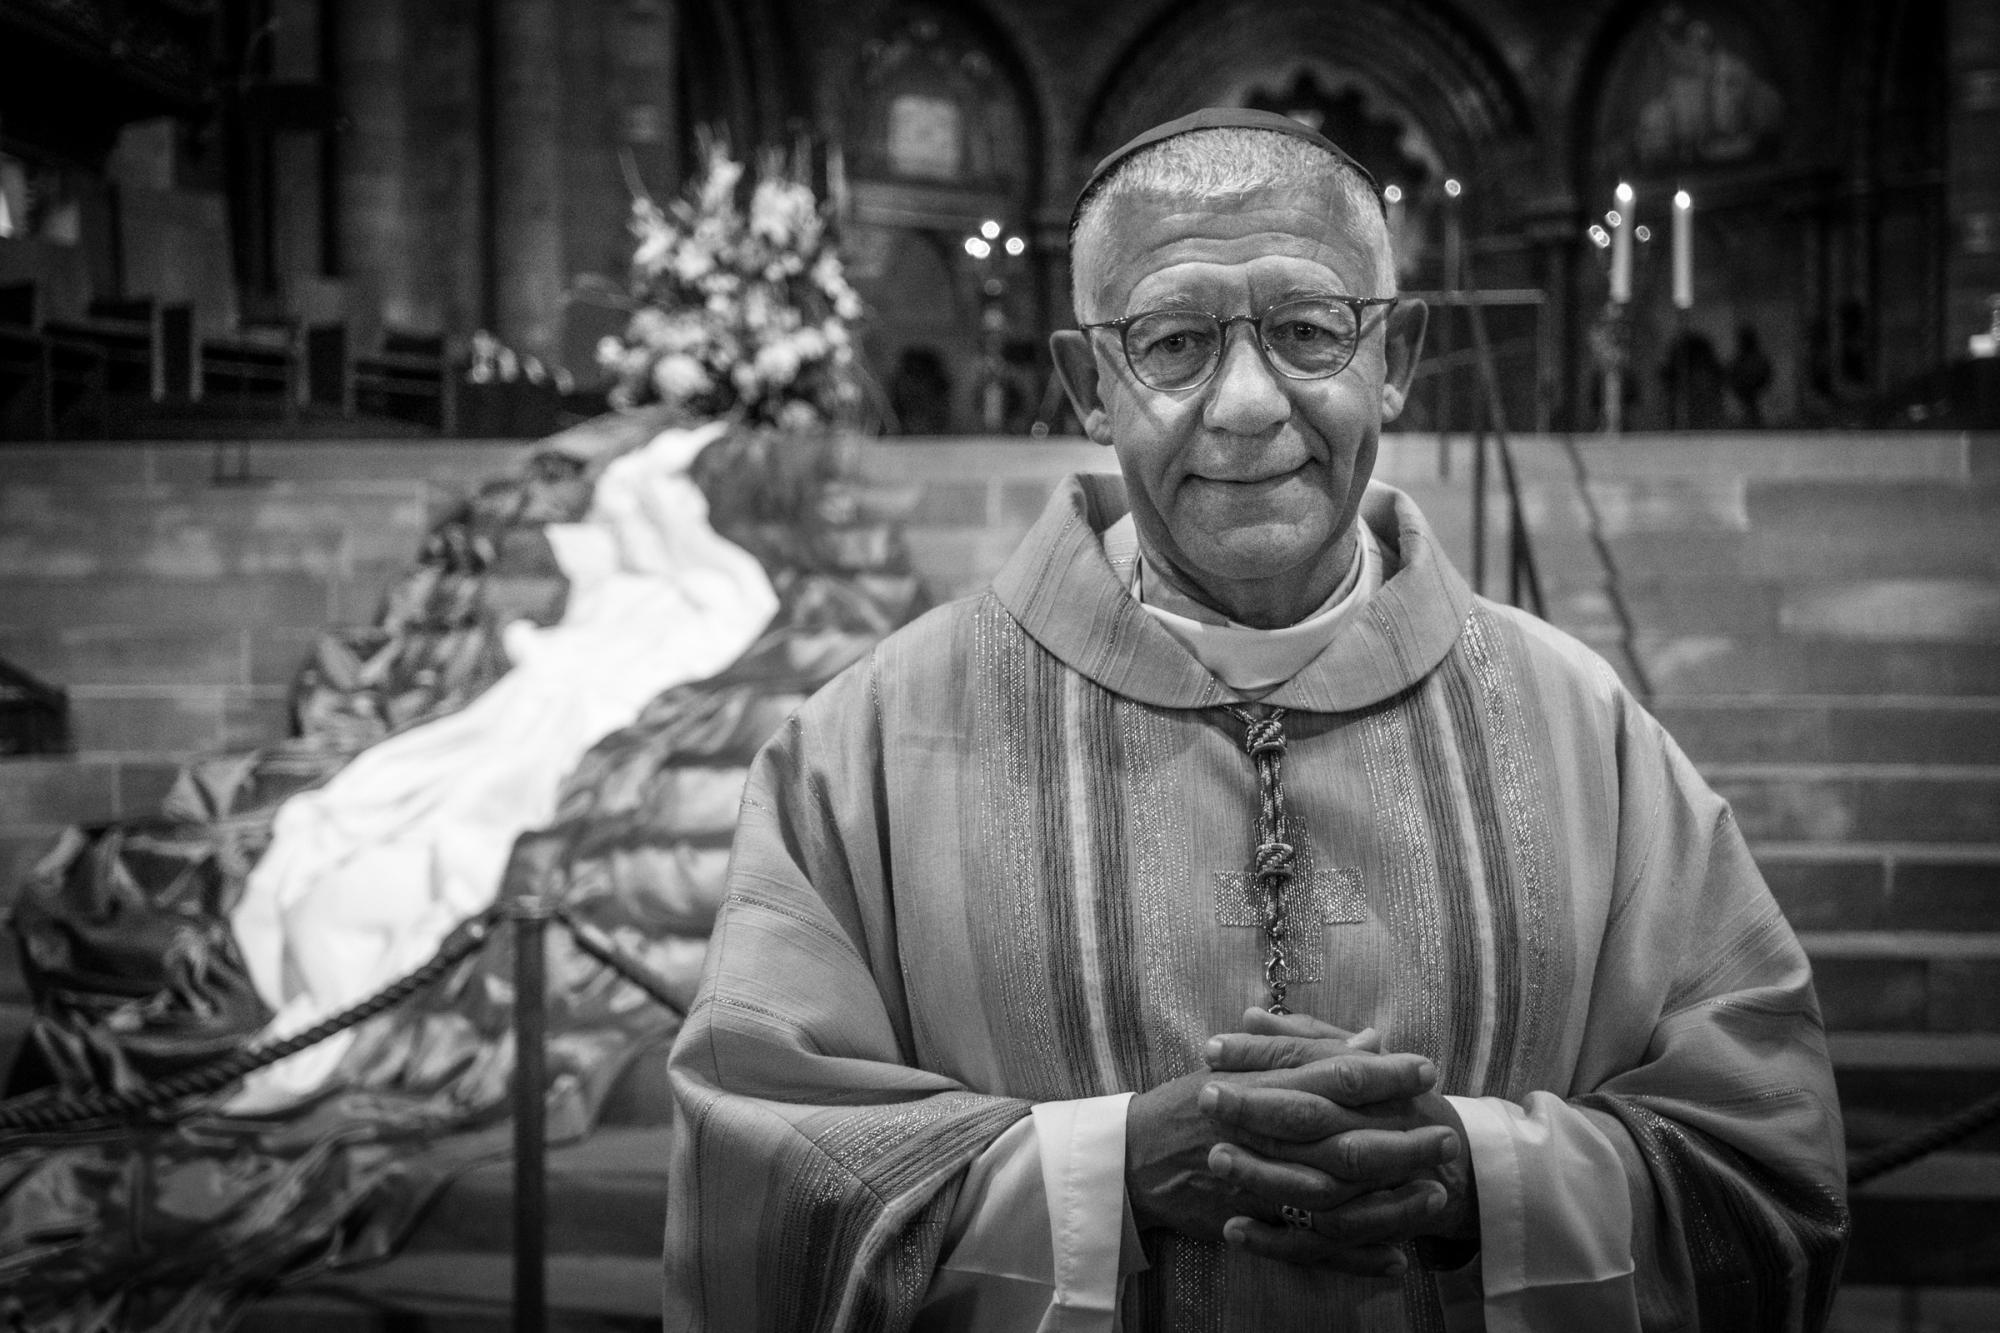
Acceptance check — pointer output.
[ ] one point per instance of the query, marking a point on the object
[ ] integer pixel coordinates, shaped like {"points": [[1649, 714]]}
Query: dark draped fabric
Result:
{"points": [[170, 1223]]}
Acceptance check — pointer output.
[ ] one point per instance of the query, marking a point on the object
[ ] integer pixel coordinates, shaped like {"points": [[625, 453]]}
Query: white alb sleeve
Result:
{"points": [[1555, 1217], [1042, 1235]]}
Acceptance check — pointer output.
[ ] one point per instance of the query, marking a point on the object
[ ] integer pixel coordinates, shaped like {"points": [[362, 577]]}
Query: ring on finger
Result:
{"points": [[1299, 1218]]}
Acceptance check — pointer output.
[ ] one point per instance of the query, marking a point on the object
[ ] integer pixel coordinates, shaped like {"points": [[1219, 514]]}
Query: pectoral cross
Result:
{"points": [[1314, 900]]}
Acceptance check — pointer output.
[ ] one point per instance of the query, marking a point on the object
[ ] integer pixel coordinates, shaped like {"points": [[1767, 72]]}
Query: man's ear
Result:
{"points": [[1403, 344], [1076, 363]]}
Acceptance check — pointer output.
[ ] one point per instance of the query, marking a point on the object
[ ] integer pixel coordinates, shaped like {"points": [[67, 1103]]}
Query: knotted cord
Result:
{"points": [[1264, 740]]}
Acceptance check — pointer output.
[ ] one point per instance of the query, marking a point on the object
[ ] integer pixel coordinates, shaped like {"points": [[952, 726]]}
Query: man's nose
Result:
{"points": [[1245, 397]]}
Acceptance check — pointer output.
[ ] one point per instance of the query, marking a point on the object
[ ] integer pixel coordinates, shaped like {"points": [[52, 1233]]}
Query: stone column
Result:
{"points": [[526, 164], [374, 165], [1972, 267]]}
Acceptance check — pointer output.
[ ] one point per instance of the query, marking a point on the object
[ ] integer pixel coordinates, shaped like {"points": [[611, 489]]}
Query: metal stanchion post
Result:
{"points": [[1479, 509], [530, 1135]]}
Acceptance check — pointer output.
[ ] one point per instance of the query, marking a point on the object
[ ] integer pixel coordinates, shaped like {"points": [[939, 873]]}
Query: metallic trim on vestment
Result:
{"points": [[1168, 929], [999, 853], [1546, 959], [1314, 899], [1410, 891]]}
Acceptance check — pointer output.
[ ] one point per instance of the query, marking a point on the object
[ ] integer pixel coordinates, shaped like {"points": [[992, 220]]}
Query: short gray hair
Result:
{"points": [[1220, 163]]}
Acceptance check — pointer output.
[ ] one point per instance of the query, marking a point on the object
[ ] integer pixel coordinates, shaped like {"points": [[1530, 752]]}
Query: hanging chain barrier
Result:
{"points": [[529, 914]]}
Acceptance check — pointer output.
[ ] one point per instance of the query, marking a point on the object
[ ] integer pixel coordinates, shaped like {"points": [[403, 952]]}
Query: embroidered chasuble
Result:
{"points": [[1001, 869]]}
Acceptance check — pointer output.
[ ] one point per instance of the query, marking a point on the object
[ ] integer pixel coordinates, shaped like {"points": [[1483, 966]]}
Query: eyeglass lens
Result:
{"points": [[1176, 349]]}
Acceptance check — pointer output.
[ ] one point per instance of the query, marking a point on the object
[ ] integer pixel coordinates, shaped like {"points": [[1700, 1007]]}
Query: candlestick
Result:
{"points": [[1683, 250], [1621, 246]]}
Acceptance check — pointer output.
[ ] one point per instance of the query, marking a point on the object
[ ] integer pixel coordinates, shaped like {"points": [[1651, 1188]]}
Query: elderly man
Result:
{"points": [[1228, 920]]}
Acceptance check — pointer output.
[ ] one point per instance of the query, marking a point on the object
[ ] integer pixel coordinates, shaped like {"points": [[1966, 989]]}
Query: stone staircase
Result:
{"points": [[1818, 618]]}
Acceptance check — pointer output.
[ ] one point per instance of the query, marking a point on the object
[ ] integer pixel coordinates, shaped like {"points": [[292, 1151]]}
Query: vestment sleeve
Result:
{"points": [[814, 1166], [1694, 1177]]}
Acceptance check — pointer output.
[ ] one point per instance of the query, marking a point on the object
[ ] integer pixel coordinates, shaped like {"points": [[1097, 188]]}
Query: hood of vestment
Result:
{"points": [[1064, 593]]}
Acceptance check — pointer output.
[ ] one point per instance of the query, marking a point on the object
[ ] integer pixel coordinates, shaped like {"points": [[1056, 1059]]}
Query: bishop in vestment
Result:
{"points": [[1228, 920]]}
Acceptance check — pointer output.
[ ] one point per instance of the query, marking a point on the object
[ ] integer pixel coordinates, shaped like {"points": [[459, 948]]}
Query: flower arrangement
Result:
{"points": [[738, 309]]}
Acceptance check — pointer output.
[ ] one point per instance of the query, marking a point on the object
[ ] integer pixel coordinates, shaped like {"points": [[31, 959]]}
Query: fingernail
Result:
{"points": [[1220, 1159], [1427, 1071], [1236, 1231], [1211, 1097], [1451, 1149], [1434, 1200], [1363, 1037], [1213, 1050], [1398, 1266]]}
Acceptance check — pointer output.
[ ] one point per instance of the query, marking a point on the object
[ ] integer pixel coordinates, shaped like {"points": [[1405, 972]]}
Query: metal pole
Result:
{"points": [[1479, 509], [530, 1136]]}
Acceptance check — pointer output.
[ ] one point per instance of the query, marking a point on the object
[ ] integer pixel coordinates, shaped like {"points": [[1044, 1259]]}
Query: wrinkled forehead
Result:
{"points": [[1144, 234]]}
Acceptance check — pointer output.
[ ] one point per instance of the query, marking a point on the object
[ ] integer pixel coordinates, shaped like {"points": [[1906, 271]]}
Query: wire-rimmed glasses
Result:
{"points": [[1307, 338]]}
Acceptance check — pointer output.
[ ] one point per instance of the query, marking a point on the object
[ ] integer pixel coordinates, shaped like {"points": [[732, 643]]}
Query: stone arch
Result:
{"points": [[1443, 76], [971, 147]]}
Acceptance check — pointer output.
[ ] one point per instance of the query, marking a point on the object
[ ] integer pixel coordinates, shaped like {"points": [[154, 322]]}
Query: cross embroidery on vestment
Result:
{"points": [[1314, 900]]}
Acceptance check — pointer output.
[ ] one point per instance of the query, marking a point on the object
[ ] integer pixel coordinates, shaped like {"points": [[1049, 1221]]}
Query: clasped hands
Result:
{"points": [[1294, 1111]]}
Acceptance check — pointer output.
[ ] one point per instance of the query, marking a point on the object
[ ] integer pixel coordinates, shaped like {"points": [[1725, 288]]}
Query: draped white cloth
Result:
{"points": [[366, 876]]}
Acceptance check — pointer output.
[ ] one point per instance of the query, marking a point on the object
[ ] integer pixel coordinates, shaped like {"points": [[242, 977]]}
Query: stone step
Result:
{"points": [[1921, 803], [1950, 456], [1836, 729], [321, 529], [1906, 981], [445, 1292], [1935, 1222], [1884, 886], [1886, 1308], [1893, 1084], [85, 657], [1723, 666], [194, 463]]}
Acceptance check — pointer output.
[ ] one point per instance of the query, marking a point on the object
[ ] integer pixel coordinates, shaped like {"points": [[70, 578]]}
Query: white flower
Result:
{"points": [[847, 305], [679, 376], [744, 376], [797, 415], [770, 213], [719, 186], [693, 260], [610, 352], [777, 363], [810, 344]]}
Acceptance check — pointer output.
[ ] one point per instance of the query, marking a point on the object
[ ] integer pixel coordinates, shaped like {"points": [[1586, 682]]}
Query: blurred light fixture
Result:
{"points": [[1624, 193], [1453, 188], [977, 248], [1643, 232], [989, 229], [1393, 194], [1015, 245]]}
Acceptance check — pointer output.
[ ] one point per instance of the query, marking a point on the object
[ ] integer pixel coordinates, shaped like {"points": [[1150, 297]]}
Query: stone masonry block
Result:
{"points": [[1946, 895], [1964, 995], [163, 724], [129, 654], [1873, 994], [293, 599], [1830, 895], [49, 792], [951, 504]]}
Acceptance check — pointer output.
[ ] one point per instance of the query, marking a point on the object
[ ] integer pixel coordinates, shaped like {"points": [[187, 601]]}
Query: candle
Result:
{"points": [[1683, 250], [1621, 246]]}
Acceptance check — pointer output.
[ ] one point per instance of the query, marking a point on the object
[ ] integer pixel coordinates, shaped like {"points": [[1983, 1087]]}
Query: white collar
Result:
{"points": [[1251, 661]]}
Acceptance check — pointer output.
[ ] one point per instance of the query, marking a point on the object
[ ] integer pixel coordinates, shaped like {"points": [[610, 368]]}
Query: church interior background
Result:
{"points": [[281, 281]]}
